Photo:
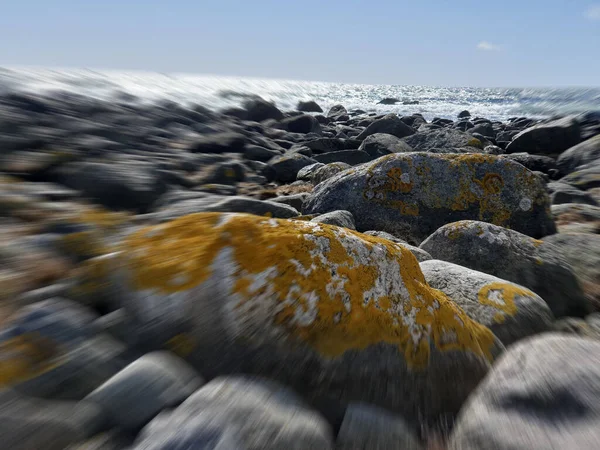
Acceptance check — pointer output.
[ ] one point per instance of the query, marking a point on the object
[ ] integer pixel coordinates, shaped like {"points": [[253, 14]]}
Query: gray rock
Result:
{"points": [[511, 311], [388, 101], [464, 113], [317, 307], [327, 171], [338, 113], [539, 163], [304, 124], [485, 129], [71, 358], [110, 440], [351, 157], [549, 138], [384, 235], [542, 394], [380, 144], [224, 173], [294, 200], [512, 256], [252, 414], [309, 106], [132, 397], [493, 150], [586, 177], [565, 193], [225, 142], [581, 154], [258, 110], [256, 153], [287, 166], [420, 254], [28, 423], [307, 172], [366, 428], [413, 194], [582, 251], [448, 139], [390, 124], [337, 218], [119, 185], [324, 145]]}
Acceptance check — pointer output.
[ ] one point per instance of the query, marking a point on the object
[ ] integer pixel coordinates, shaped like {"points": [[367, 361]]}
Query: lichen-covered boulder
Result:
{"points": [[413, 194], [543, 393], [511, 256], [337, 218], [511, 311], [238, 413], [324, 309], [327, 171], [445, 141], [51, 350]]}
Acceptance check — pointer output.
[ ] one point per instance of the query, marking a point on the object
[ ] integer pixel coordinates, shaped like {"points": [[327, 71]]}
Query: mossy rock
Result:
{"points": [[324, 309]]}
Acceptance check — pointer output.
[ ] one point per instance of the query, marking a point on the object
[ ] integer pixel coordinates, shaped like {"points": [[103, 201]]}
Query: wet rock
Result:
{"points": [[413, 194], [510, 255], [256, 153], [301, 124], [543, 393], [511, 311], [390, 124], [156, 381], [232, 413], [257, 276], [549, 138]]}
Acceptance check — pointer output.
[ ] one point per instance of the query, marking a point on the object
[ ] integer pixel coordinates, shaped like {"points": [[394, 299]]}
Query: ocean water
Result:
{"points": [[218, 92]]}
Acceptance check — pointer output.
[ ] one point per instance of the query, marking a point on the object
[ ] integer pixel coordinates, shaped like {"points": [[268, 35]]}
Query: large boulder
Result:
{"points": [[326, 171], [586, 177], [539, 163], [223, 142], [561, 193], [582, 251], [309, 106], [287, 166], [579, 155], [156, 381], [445, 141], [412, 194], [237, 413], [303, 123], [258, 110], [338, 113], [511, 311], [544, 393], [381, 144], [512, 256], [351, 157], [320, 308], [549, 138], [390, 124]]}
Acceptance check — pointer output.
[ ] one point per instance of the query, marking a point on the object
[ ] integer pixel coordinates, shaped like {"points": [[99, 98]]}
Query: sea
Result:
{"points": [[220, 92]]}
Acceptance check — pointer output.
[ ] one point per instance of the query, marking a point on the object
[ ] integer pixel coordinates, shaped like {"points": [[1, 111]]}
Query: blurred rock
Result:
{"points": [[337, 218], [309, 106], [286, 167], [549, 138], [390, 124]]}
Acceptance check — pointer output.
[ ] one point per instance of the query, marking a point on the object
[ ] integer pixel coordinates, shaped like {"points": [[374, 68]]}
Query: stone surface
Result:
{"points": [[156, 381], [565, 193], [232, 413], [366, 427], [287, 166], [390, 124], [338, 113], [325, 172], [549, 138], [381, 144], [544, 393], [579, 155], [511, 311], [321, 308], [445, 141], [309, 106], [337, 218], [413, 194], [586, 177], [351, 157], [512, 256], [259, 110]]}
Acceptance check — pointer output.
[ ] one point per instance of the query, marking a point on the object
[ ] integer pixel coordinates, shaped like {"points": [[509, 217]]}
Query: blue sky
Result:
{"points": [[446, 43]]}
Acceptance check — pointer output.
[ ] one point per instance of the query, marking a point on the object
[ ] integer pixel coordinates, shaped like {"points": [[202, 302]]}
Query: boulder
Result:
{"points": [[582, 251], [579, 155], [544, 393], [119, 185], [575, 214], [320, 308], [287, 166], [337, 218], [51, 350], [549, 138], [381, 144], [511, 311], [351, 157], [565, 193], [303, 123], [294, 200], [257, 153], [338, 113], [306, 173], [388, 101], [512, 256], [258, 110], [390, 124], [586, 177], [366, 427], [324, 145], [464, 114], [538, 163], [413, 194], [156, 381], [237, 413], [448, 140], [227, 173], [225, 142], [420, 254], [309, 106], [485, 129]]}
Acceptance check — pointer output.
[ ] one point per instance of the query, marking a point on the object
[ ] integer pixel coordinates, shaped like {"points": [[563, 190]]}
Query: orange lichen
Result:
{"points": [[305, 260], [181, 344], [501, 296]]}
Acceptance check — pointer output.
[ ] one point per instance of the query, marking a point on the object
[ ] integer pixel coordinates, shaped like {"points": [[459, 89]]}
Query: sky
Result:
{"points": [[434, 42]]}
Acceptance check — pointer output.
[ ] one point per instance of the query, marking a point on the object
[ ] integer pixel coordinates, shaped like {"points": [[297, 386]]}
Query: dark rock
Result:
{"points": [[219, 143], [324, 145], [414, 121], [543, 393], [388, 101], [309, 106], [485, 129], [581, 154], [442, 122], [352, 157], [301, 124], [338, 113], [258, 110], [444, 139], [287, 166], [586, 177], [224, 173], [538, 163], [337, 218], [410, 102], [464, 114], [301, 150], [511, 256], [294, 200], [256, 153], [326, 171], [463, 125], [549, 138], [307, 172], [390, 124], [381, 144], [565, 193]]}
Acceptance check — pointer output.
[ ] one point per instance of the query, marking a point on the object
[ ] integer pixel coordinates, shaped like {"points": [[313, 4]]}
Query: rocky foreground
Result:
{"points": [[173, 277]]}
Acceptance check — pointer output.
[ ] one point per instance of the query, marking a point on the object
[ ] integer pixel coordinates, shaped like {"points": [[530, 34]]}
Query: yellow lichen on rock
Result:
{"points": [[25, 357], [501, 296], [333, 289]]}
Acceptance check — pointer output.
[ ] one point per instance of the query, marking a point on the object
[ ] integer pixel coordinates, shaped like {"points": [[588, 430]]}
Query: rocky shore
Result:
{"points": [[176, 277]]}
